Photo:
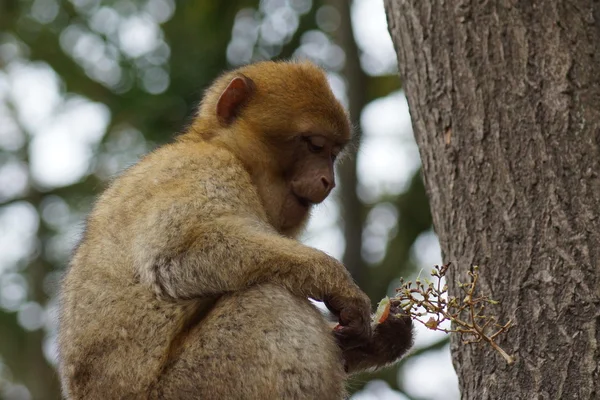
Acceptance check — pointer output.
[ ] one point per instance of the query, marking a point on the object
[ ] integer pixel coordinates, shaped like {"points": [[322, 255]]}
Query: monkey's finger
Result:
{"points": [[398, 313], [345, 317], [396, 304], [396, 322], [356, 329], [393, 324], [346, 339], [333, 310]]}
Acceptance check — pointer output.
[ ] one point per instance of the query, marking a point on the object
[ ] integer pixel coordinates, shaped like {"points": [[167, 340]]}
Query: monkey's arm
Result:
{"points": [[391, 339], [233, 252]]}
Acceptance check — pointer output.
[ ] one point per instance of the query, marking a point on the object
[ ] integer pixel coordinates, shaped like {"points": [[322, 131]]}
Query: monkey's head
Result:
{"points": [[283, 122]]}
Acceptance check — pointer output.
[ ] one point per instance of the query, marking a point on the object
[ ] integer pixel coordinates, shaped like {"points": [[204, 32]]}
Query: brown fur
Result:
{"points": [[189, 283]]}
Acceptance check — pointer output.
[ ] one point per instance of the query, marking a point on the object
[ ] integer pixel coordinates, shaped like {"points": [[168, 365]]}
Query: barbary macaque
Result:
{"points": [[189, 282]]}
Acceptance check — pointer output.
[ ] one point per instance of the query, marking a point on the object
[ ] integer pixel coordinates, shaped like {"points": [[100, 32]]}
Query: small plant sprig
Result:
{"points": [[420, 299]]}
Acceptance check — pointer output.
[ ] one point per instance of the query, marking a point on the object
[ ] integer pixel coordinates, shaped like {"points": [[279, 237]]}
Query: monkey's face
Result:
{"points": [[309, 176], [284, 123], [300, 175]]}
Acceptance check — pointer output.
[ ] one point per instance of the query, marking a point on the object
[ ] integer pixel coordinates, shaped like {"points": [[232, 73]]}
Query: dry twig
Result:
{"points": [[419, 299]]}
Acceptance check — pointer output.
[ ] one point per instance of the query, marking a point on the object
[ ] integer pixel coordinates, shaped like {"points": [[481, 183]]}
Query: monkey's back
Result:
{"points": [[114, 336], [115, 333]]}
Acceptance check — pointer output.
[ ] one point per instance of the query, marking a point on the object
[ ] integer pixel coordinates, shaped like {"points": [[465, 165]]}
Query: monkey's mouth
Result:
{"points": [[303, 201]]}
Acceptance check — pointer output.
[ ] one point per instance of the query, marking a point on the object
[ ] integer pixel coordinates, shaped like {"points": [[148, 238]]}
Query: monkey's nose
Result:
{"points": [[328, 184]]}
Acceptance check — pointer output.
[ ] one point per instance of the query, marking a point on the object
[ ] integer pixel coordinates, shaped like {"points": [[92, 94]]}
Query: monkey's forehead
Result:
{"points": [[295, 93], [333, 125], [304, 81], [300, 91]]}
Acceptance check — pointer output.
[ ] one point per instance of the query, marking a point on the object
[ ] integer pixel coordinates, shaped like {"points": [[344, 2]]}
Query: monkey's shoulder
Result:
{"points": [[195, 161], [184, 167], [181, 178]]}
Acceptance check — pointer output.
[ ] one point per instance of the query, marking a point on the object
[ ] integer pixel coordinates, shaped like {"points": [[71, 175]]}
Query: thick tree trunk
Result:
{"points": [[505, 103]]}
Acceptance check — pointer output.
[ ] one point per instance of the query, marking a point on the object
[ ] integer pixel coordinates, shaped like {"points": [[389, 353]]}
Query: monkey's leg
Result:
{"points": [[261, 343]]}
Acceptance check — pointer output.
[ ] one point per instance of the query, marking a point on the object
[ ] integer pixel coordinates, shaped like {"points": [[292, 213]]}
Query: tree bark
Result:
{"points": [[505, 103]]}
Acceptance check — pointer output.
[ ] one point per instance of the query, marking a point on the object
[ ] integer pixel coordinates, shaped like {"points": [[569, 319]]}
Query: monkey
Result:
{"points": [[190, 282], [391, 339]]}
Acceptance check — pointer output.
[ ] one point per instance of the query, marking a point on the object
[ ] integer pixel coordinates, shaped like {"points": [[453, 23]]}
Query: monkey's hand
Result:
{"points": [[354, 316], [391, 339]]}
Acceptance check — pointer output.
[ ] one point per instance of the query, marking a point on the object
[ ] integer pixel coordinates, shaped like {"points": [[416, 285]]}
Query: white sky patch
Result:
{"points": [[388, 156], [326, 214], [160, 10], [323, 232], [432, 376], [426, 251], [18, 226], [377, 390], [13, 290], [4, 86], [13, 179], [34, 89], [61, 154], [338, 87], [139, 35], [56, 160], [12, 138], [372, 36], [85, 119], [44, 11], [88, 48], [105, 20], [389, 115], [31, 316]]}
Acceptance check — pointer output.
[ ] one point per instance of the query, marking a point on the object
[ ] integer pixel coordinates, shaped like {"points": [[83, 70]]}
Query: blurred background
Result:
{"points": [[87, 86]]}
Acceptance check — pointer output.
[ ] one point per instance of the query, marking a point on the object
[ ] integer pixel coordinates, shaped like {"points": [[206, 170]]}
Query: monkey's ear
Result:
{"points": [[233, 98]]}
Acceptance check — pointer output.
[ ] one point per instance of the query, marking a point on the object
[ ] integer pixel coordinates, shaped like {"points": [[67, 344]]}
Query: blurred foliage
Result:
{"points": [[144, 64]]}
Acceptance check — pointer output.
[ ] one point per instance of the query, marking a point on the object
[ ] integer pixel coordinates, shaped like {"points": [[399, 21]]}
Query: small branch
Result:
{"points": [[434, 300]]}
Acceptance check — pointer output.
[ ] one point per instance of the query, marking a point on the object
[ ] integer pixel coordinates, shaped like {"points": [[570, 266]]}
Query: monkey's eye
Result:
{"points": [[315, 144]]}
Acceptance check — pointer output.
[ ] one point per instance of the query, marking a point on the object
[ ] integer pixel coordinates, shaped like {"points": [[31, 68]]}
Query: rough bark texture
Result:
{"points": [[505, 104]]}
